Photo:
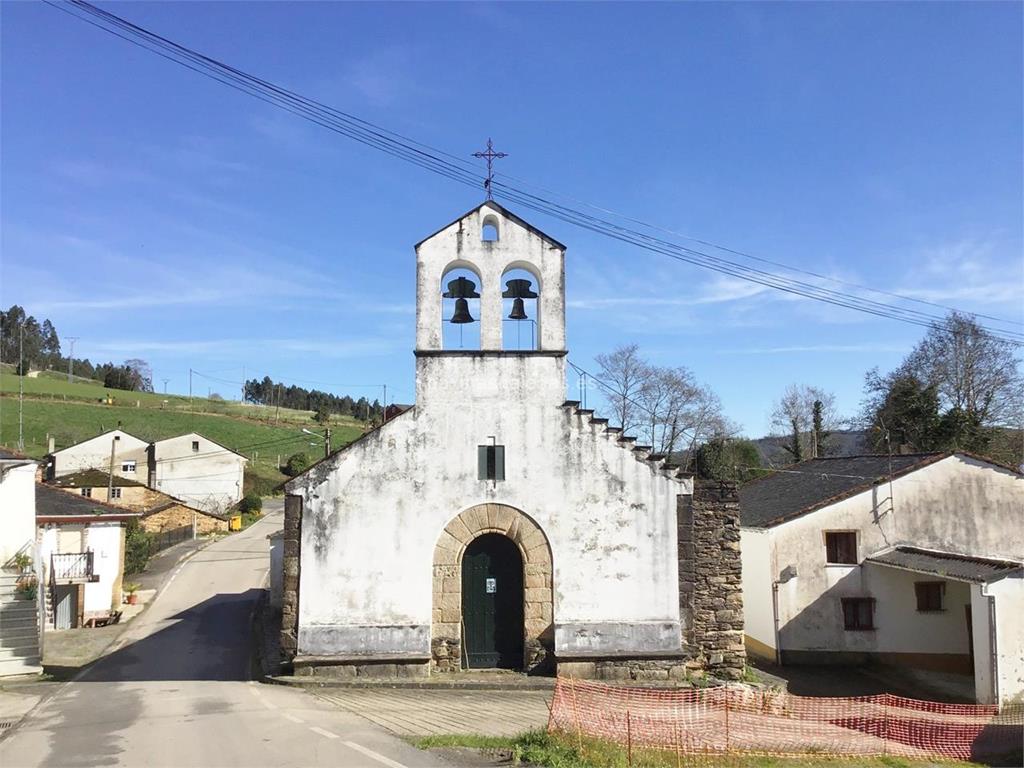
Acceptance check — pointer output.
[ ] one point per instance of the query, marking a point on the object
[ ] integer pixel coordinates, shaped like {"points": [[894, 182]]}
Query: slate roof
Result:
{"points": [[810, 485], [93, 478], [53, 502], [979, 570]]}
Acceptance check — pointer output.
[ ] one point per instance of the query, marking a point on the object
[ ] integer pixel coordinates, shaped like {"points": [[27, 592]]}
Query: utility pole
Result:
{"points": [[243, 385], [110, 476], [327, 442], [71, 354], [190, 409], [21, 388], [384, 414]]}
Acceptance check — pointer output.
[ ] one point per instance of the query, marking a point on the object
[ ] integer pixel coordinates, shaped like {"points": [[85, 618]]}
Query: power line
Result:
{"points": [[461, 171]]}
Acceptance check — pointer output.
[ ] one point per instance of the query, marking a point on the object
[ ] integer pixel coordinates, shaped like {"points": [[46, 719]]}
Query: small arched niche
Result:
{"points": [[460, 308], [489, 231], [520, 308]]}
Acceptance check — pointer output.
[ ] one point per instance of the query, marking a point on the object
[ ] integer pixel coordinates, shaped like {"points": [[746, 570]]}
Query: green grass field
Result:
{"points": [[74, 412]]}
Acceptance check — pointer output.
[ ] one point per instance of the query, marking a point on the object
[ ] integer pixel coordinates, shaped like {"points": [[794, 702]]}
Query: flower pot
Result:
{"points": [[133, 599]]}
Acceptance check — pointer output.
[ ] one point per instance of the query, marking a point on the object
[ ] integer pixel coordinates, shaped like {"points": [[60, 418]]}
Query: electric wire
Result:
{"points": [[381, 139]]}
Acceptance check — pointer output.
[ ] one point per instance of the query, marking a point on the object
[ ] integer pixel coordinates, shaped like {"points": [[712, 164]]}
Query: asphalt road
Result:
{"points": [[176, 689]]}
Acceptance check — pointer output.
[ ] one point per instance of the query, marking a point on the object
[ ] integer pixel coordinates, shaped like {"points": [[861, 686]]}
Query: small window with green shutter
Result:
{"points": [[490, 462]]}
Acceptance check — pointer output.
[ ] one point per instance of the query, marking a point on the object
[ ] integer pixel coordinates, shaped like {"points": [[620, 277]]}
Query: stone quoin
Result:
{"points": [[495, 524]]}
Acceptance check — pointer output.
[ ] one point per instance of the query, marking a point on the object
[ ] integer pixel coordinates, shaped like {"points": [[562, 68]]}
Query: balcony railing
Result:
{"points": [[72, 567]]}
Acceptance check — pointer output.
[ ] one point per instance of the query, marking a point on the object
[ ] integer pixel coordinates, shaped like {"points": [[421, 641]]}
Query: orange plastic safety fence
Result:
{"points": [[740, 719]]}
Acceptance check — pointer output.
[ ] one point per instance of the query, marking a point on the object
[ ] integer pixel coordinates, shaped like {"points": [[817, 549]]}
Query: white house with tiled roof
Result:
{"points": [[493, 524], [915, 560]]}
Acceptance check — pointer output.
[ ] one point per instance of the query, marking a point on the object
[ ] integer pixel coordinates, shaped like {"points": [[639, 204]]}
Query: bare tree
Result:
{"points": [[807, 414], [975, 373], [623, 373]]}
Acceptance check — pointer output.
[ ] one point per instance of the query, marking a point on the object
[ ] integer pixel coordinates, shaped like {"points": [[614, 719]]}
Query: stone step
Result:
{"points": [[30, 665], [10, 612], [23, 651]]}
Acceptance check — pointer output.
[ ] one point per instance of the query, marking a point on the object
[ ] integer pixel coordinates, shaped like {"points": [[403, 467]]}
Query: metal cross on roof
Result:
{"points": [[490, 156]]}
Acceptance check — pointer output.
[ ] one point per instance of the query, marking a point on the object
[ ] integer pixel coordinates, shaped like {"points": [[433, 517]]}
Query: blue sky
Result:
{"points": [[157, 214]]}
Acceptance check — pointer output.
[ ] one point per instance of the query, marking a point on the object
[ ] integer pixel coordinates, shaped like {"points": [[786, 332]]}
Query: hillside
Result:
{"points": [[73, 412]]}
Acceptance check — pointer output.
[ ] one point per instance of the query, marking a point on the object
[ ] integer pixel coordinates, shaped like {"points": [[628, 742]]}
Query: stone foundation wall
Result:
{"points": [[710, 589], [290, 592], [677, 669], [180, 516], [363, 669]]}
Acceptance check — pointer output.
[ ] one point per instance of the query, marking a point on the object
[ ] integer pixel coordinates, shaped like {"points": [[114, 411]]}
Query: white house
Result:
{"points": [[127, 455], [17, 507], [494, 524], [198, 471], [915, 560], [188, 467], [82, 546]]}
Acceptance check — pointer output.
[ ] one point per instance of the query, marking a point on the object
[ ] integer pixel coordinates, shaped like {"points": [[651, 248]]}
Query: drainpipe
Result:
{"points": [[992, 644], [775, 621]]}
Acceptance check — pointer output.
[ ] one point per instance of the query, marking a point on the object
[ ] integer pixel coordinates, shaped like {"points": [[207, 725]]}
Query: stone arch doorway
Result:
{"points": [[448, 650], [492, 603]]}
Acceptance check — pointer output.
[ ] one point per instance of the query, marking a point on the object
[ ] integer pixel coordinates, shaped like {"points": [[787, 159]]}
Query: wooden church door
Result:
{"points": [[492, 602]]}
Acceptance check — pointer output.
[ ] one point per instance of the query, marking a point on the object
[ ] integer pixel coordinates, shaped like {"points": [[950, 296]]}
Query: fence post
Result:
{"points": [[629, 741], [726, 719], [885, 723], [576, 713]]}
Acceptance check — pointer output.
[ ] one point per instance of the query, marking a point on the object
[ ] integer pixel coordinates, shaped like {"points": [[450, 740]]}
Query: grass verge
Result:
{"points": [[542, 749]]}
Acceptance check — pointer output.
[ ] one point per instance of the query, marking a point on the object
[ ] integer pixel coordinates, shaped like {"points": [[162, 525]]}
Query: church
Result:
{"points": [[495, 524]]}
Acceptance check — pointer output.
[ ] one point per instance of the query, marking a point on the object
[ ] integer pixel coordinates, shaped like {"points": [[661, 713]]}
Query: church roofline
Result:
{"points": [[505, 212]]}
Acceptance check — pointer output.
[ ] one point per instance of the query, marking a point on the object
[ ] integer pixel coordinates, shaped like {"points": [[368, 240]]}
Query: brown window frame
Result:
{"points": [[850, 607], [924, 594], [87, 492], [838, 549]]}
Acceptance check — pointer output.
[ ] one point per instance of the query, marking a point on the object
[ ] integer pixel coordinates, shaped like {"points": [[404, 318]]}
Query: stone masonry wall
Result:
{"points": [[180, 516], [290, 593], [710, 589]]}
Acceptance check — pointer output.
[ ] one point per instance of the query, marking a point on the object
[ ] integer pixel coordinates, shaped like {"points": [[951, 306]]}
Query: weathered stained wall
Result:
{"points": [[95, 454], [209, 477], [957, 504], [17, 508], [373, 513]]}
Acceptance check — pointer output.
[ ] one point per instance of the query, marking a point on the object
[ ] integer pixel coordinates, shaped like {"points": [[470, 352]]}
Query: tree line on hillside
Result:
{"points": [[960, 388], [323, 404], [30, 345]]}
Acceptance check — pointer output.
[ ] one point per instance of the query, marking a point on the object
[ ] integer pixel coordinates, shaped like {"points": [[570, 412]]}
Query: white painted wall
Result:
{"points": [[1009, 599], [758, 614], [374, 512], [209, 477], [95, 454], [276, 569], [104, 539], [17, 507], [985, 662]]}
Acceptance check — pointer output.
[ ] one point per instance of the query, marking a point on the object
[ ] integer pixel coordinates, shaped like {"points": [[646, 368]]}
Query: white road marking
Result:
{"points": [[322, 732], [373, 755], [293, 718]]}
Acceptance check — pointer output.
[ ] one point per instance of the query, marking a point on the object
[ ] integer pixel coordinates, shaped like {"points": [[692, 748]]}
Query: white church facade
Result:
{"points": [[496, 524]]}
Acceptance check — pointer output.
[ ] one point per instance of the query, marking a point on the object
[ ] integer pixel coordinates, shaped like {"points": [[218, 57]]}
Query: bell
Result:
{"points": [[518, 310], [518, 289], [461, 289], [461, 314]]}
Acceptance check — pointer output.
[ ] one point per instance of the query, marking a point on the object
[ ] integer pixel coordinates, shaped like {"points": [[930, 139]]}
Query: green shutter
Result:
{"points": [[499, 462], [481, 462]]}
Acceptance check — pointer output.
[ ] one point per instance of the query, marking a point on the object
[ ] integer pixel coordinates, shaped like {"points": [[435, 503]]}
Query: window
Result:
{"points": [[858, 613], [929, 595], [490, 462], [489, 231], [115, 493], [841, 547], [195, 446], [87, 492], [127, 466]]}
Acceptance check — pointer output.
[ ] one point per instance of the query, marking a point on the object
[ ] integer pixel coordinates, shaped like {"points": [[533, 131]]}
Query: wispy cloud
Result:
{"points": [[718, 291], [815, 348], [243, 348]]}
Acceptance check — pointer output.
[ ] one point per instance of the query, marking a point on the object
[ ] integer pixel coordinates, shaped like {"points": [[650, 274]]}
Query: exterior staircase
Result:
{"points": [[19, 630]]}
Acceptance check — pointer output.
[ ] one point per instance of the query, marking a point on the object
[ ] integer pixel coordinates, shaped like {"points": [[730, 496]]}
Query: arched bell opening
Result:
{"points": [[460, 309], [489, 232], [520, 299]]}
